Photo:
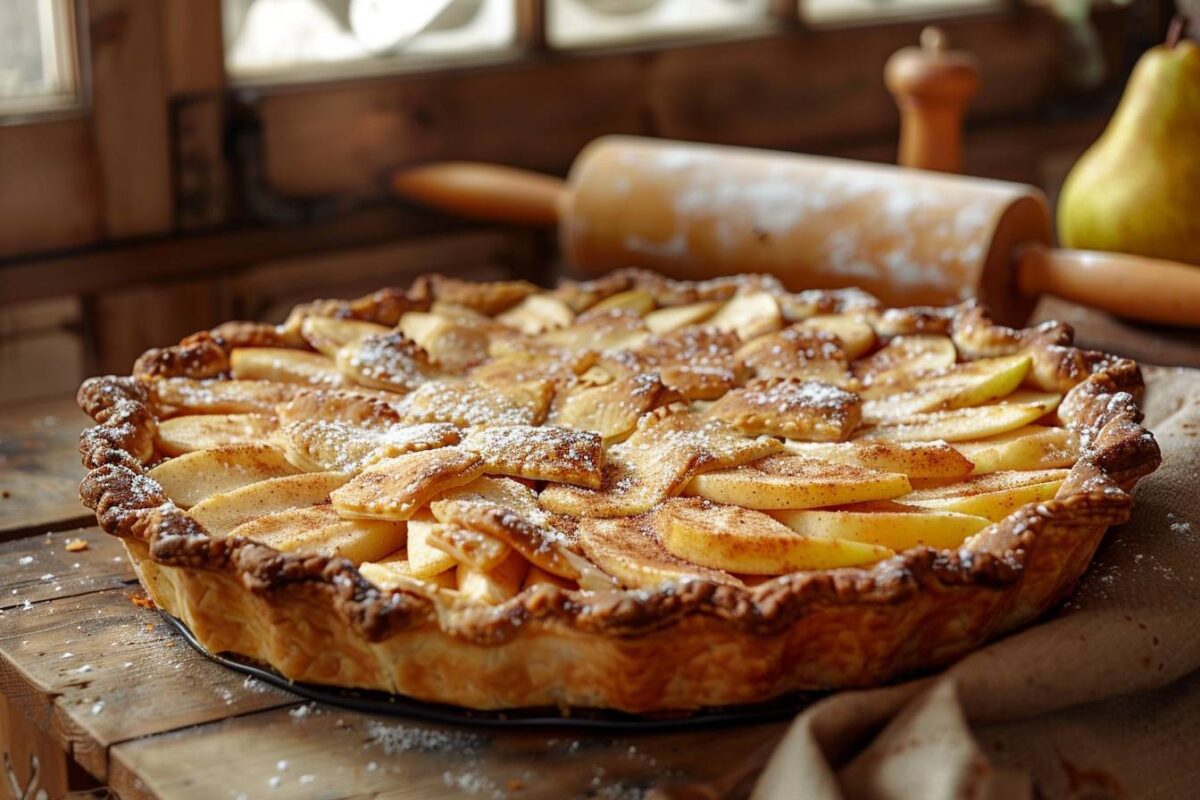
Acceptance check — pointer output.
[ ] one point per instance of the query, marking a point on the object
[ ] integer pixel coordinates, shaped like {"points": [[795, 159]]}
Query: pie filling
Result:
{"points": [[609, 435]]}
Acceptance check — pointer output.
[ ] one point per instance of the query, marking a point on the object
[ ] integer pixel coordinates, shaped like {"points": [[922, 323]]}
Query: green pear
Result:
{"points": [[1137, 189]]}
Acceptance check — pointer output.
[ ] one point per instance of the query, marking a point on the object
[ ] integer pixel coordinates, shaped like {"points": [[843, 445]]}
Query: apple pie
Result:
{"points": [[630, 493]]}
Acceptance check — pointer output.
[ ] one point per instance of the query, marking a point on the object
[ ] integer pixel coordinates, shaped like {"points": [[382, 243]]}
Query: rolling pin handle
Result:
{"points": [[932, 87], [1134, 287], [484, 191]]}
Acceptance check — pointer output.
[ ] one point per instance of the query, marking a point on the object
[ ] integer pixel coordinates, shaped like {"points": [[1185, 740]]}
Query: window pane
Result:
{"points": [[818, 11], [575, 23], [279, 36], [37, 58]]}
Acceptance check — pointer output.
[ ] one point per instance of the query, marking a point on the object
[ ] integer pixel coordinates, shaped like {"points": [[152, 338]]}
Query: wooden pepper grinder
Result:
{"points": [[932, 86]]}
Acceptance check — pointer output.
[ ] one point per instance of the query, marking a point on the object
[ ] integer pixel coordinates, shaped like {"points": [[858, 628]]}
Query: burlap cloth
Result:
{"points": [[1101, 700]]}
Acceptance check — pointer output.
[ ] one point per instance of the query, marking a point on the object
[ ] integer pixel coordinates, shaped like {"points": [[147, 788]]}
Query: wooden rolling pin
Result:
{"points": [[908, 236]]}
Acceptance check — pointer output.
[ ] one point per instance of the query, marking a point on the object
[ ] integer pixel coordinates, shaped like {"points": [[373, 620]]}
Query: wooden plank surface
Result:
{"points": [[331, 753], [112, 671], [39, 467], [106, 677], [38, 568]]}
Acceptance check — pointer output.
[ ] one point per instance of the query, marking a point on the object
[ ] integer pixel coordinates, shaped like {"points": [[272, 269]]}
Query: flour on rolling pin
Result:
{"points": [[910, 237]]}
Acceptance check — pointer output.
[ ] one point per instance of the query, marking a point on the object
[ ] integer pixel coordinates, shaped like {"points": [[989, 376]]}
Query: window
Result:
{"points": [[830, 11], [574, 23], [37, 59], [272, 36]]}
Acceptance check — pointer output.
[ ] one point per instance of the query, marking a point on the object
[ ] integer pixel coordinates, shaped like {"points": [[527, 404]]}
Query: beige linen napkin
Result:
{"points": [[1102, 700]]}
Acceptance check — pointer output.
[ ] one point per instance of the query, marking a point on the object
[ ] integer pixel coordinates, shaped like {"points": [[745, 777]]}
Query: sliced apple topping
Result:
{"points": [[784, 481], [453, 346], [750, 542], [284, 365], [619, 434], [748, 315], [395, 572], [628, 548], [665, 320], [190, 396], [854, 334], [546, 453], [1028, 448], [391, 361], [905, 355], [914, 459], [196, 476], [637, 301], [536, 314], [885, 523], [328, 335], [319, 530], [993, 496], [969, 384], [221, 513], [654, 463], [493, 586], [209, 431], [425, 559], [396, 488], [791, 408], [964, 424], [615, 329]]}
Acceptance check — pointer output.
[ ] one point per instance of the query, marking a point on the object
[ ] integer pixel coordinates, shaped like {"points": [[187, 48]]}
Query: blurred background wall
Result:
{"points": [[169, 164]]}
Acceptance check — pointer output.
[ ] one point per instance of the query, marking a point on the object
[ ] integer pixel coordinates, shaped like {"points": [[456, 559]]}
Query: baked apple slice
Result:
{"points": [[425, 559], [970, 384], [628, 548], [328, 335], [993, 496], [885, 523], [319, 530], [180, 435], [784, 481], [665, 320], [974, 422], [1028, 448], [493, 586], [285, 366], [750, 542], [221, 513], [914, 459], [854, 334], [196, 476]]}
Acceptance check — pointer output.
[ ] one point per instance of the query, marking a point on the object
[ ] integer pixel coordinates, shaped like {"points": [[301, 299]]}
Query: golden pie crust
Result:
{"points": [[711, 641]]}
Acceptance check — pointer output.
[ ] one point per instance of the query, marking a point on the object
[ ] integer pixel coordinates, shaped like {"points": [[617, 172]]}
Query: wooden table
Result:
{"points": [[39, 467], [101, 691]]}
